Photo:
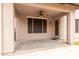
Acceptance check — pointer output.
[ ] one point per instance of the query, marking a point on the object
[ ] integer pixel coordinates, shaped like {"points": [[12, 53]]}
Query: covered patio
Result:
{"points": [[25, 34], [34, 41]]}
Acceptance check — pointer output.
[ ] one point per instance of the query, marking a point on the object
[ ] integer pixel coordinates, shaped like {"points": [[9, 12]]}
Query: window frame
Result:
{"points": [[33, 24]]}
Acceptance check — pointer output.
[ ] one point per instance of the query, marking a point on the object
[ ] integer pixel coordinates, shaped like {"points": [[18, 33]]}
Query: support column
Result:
{"points": [[63, 28], [8, 28], [71, 27], [0, 29]]}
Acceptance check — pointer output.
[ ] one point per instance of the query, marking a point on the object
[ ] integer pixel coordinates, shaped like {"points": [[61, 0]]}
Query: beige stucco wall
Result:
{"points": [[0, 28], [77, 17], [22, 29], [8, 28], [63, 28]]}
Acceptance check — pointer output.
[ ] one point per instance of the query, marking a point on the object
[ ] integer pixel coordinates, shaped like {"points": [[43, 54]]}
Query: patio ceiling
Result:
{"points": [[50, 9], [73, 4], [27, 9]]}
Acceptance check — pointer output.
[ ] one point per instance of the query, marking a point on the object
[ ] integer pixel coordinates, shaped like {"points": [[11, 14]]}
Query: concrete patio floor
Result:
{"points": [[39, 47]]}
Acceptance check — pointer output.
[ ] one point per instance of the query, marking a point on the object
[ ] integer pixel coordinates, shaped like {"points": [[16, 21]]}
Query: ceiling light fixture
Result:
{"points": [[41, 13]]}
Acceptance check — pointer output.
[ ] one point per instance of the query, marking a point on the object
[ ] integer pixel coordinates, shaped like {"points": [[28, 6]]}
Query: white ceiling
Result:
{"points": [[30, 10]]}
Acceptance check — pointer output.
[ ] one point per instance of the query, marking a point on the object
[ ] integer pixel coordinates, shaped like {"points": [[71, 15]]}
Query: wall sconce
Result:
{"points": [[50, 22]]}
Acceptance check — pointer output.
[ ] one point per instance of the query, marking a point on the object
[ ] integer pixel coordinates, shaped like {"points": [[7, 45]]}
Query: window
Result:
{"points": [[56, 27], [37, 25], [77, 25]]}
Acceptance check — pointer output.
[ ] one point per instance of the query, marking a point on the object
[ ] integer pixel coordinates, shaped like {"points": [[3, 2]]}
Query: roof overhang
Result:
{"points": [[62, 7], [76, 5]]}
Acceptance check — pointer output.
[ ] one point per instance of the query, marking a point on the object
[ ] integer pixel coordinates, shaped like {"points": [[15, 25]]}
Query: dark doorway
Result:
{"points": [[56, 27]]}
